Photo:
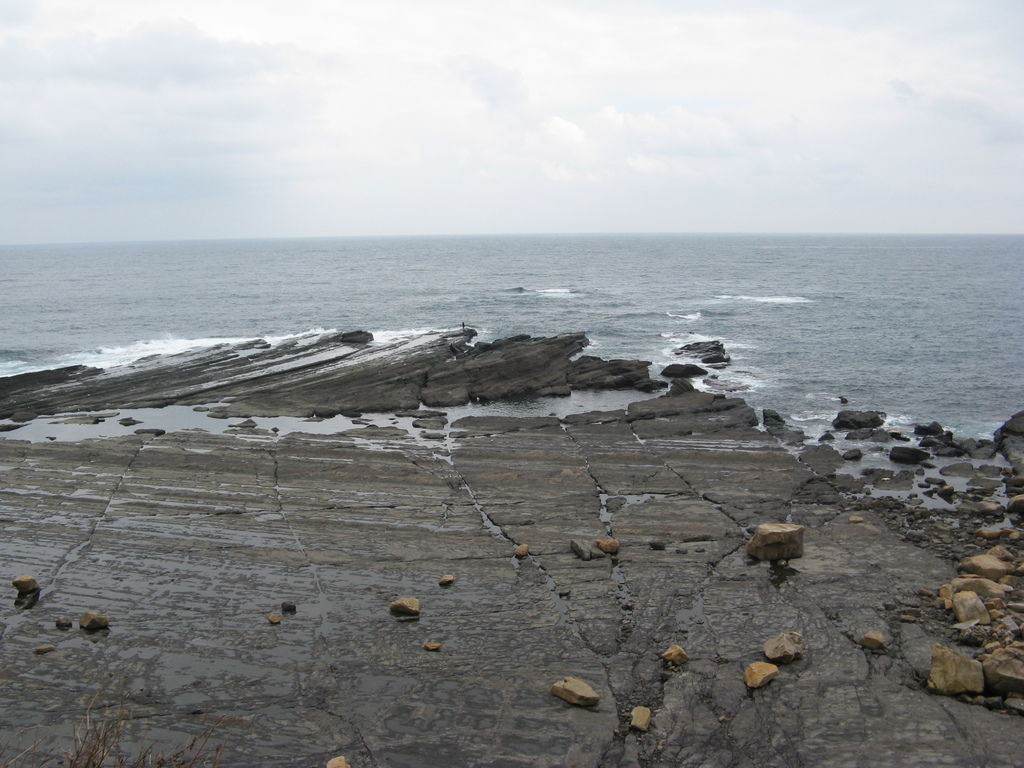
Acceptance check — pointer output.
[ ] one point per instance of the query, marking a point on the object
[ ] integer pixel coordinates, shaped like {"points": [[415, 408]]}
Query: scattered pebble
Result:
{"points": [[288, 607], [338, 762], [856, 519], [640, 718], [674, 654], [274, 618], [446, 580], [25, 584], [406, 606], [575, 691], [784, 647], [93, 620], [44, 648], [759, 673], [609, 546], [873, 640], [431, 645], [521, 551]]}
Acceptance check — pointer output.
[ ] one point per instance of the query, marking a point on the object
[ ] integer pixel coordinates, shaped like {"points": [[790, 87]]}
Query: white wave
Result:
{"points": [[402, 334], [767, 299], [813, 416], [112, 356], [692, 316]]}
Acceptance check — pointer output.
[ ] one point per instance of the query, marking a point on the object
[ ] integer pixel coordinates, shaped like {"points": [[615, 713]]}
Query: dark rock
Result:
{"points": [[905, 454], [288, 607], [858, 420], [928, 429], [683, 370], [128, 422], [23, 416], [771, 418], [827, 437], [355, 337], [854, 454], [708, 352], [151, 431], [589, 372]]}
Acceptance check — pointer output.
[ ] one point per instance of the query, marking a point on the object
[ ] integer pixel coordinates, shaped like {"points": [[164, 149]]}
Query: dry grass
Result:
{"points": [[98, 743]]}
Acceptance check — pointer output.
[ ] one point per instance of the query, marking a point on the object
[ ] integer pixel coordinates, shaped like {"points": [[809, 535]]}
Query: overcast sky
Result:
{"points": [[153, 119]]}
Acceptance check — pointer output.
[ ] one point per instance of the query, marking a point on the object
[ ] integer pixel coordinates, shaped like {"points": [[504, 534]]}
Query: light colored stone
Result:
{"points": [[338, 762], [759, 673], [776, 541], [25, 584], [1000, 552], [405, 606], [521, 551], [983, 588], [856, 519], [1004, 670], [446, 580], [987, 566], [575, 691], [640, 718], [873, 640], [675, 655], [93, 620], [44, 648], [274, 618], [580, 548], [967, 606], [952, 673], [609, 546], [431, 645], [1016, 505], [784, 647]]}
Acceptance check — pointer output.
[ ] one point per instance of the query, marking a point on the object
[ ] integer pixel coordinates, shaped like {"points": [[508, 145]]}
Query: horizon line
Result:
{"points": [[637, 233]]}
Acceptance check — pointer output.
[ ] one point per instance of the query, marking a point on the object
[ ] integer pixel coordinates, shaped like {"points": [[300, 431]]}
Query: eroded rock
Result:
{"points": [[575, 691], [776, 541], [759, 673], [405, 606], [952, 673], [784, 647]]}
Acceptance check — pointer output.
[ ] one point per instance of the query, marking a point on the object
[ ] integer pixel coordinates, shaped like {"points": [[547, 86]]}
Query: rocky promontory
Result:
{"points": [[365, 559]]}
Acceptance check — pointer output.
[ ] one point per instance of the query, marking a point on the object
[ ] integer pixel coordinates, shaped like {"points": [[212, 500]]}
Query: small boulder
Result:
{"points": [[873, 640], [338, 762], [952, 673], [854, 454], [93, 620], [575, 691], [776, 541], [609, 546], [44, 648], [905, 454], [928, 429], [759, 673], [858, 419], [682, 371], [580, 548], [405, 606], [983, 588], [675, 655], [431, 645], [521, 551], [967, 606], [785, 647], [1015, 506], [274, 618], [987, 566], [446, 580], [25, 585], [1004, 670], [856, 519], [640, 718], [288, 607]]}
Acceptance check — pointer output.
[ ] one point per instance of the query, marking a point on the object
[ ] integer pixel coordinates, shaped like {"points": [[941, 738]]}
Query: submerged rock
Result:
{"points": [[93, 620]]}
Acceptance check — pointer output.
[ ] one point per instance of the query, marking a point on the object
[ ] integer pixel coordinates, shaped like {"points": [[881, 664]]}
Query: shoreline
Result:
{"points": [[189, 539]]}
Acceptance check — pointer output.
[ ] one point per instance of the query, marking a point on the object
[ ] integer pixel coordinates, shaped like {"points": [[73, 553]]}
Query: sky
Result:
{"points": [[128, 120]]}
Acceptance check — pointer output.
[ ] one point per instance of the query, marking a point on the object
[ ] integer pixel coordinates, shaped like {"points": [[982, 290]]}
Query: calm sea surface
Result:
{"points": [[922, 327]]}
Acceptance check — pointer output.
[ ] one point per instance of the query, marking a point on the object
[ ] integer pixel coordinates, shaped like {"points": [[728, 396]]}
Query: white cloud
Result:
{"points": [[223, 118]]}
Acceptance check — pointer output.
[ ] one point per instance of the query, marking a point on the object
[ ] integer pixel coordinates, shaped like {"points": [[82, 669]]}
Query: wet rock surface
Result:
{"points": [[186, 539]]}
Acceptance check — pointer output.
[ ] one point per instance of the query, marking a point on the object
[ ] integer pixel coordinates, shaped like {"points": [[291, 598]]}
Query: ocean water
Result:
{"points": [[922, 327]]}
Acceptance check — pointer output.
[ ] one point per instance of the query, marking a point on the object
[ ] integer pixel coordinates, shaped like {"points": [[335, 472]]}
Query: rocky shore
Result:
{"points": [[349, 549]]}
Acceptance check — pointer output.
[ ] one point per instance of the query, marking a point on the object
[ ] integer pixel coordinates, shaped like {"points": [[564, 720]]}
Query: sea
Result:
{"points": [[923, 327]]}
